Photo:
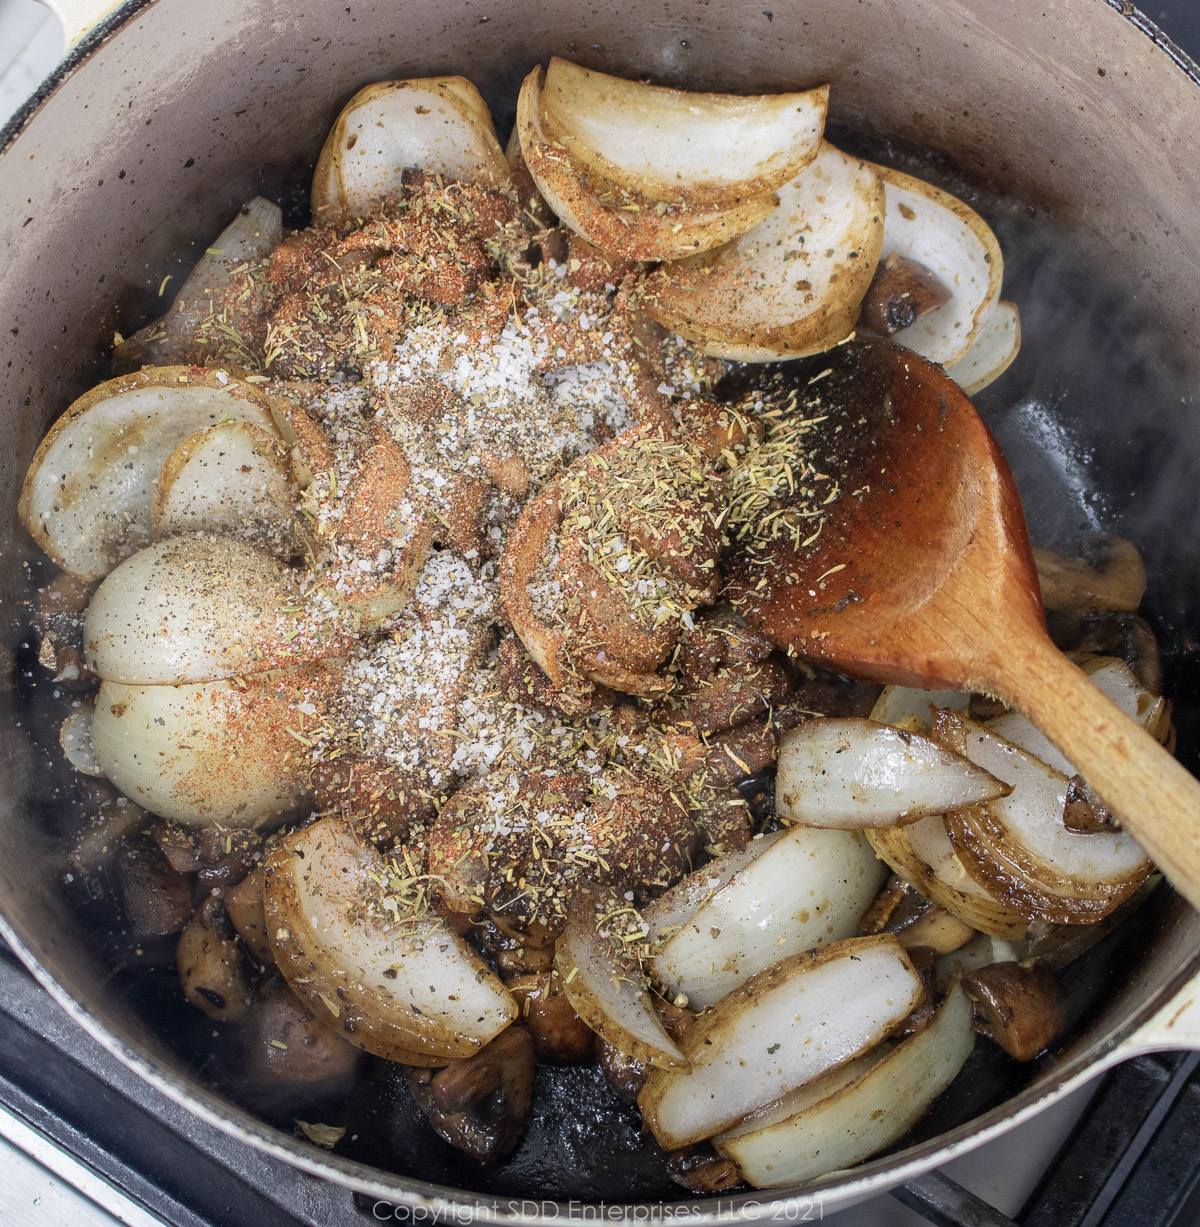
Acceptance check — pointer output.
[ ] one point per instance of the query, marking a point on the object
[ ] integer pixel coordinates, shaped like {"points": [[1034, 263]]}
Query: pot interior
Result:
{"points": [[179, 113]]}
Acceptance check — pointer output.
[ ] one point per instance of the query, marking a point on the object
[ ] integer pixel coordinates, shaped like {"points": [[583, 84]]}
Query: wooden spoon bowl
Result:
{"points": [[923, 575]]}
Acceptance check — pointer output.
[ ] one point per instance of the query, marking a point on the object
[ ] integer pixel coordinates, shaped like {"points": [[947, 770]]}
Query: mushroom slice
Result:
{"points": [[794, 283], [955, 244], [89, 491], [991, 353], [1114, 583], [252, 235], [852, 774], [234, 478], [395, 982], [228, 753], [607, 988], [1019, 846], [436, 124], [75, 737], [623, 217], [783, 1027], [862, 1117], [197, 609], [1022, 1008], [788, 893]]}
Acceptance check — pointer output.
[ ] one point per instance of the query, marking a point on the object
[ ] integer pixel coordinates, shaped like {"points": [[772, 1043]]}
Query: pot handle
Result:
{"points": [[79, 17], [1176, 1025]]}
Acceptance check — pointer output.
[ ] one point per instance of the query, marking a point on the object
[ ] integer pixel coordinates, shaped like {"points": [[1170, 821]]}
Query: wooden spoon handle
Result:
{"points": [[1156, 798]]}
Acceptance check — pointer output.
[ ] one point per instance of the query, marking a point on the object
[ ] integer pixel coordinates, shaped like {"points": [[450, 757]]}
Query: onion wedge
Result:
{"points": [[852, 774], [991, 353], [620, 217], [1019, 847], [75, 737], [234, 478], [794, 283], [666, 172], [953, 242], [922, 853], [785, 1026], [607, 989], [1113, 678], [394, 984], [436, 124], [252, 235], [198, 609], [215, 752], [89, 492], [895, 703], [856, 1120], [801, 889]]}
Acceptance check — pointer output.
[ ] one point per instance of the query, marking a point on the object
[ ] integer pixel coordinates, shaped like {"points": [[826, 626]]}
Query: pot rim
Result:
{"points": [[440, 1203]]}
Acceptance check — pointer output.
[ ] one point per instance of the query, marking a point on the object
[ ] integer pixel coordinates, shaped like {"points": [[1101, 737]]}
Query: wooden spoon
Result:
{"points": [[923, 575]]}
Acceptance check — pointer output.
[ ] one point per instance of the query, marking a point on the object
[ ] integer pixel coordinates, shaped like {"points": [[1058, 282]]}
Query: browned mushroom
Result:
{"points": [[1021, 1008], [900, 293], [480, 1104], [210, 963], [156, 899], [700, 1169], [1129, 637], [517, 954], [247, 913], [1084, 812], [560, 1036], [625, 1074], [116, 820], [286, 1043], [1110, 577], [58, 611]]}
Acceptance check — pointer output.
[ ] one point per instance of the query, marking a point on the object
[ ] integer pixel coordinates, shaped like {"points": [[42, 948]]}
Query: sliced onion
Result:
{"points": [[785, 1026], [852, 774], [197, 609], [75, 737], [924, 855], [938, 230], [895, 703], [865, 1116], [436, 124], [396, 985], [1030, 822], [89, 492], [793, 284], [675, 145], [802, 889], [993, 351], [622, 216], [1113, 678], [252, 235], [675, 907], [223, 753], [234, 478], [607, 989]]}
